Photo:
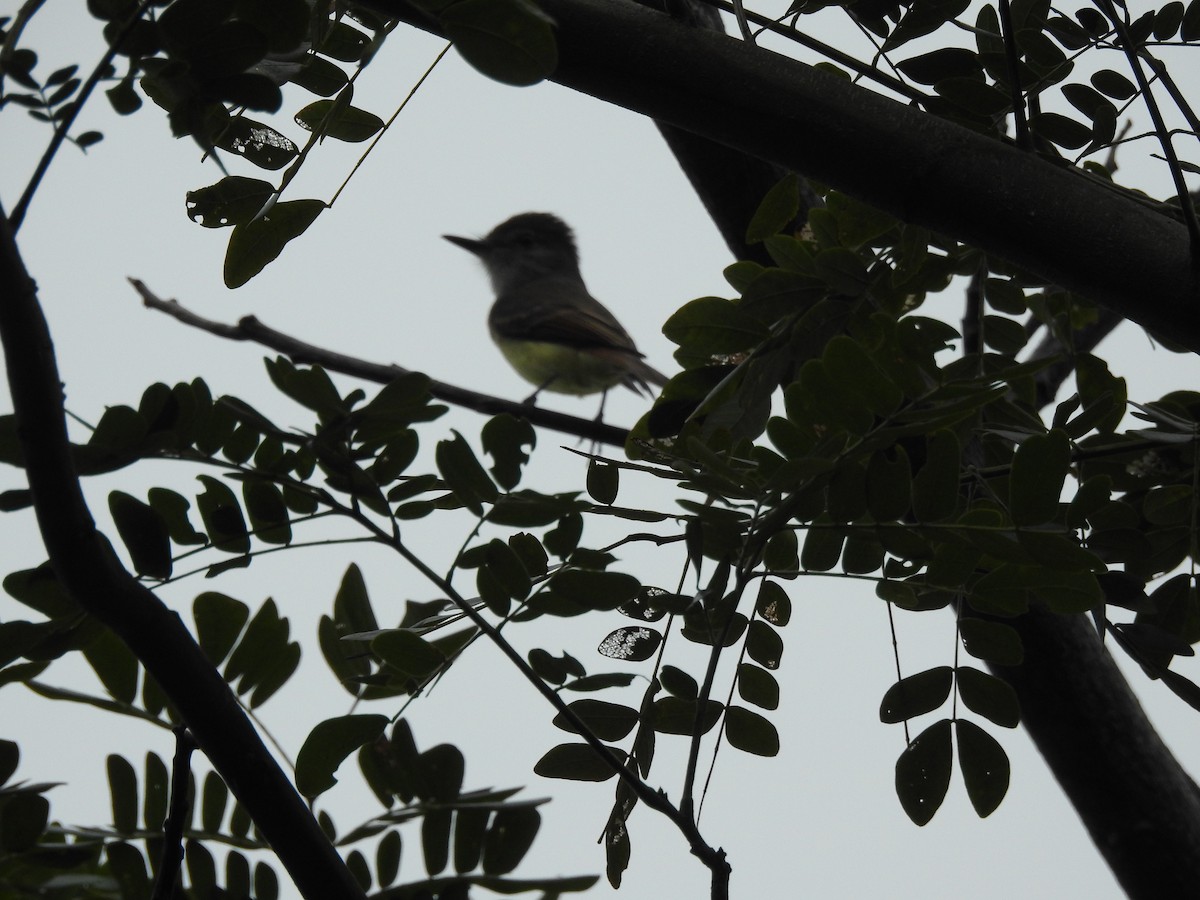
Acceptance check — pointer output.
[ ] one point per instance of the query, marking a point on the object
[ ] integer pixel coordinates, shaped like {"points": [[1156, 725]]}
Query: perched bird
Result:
{"points": [[550, 329]]}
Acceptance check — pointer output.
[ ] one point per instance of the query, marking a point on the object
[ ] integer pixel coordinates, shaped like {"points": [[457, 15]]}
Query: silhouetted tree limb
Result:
{"points": [[88, 569]]}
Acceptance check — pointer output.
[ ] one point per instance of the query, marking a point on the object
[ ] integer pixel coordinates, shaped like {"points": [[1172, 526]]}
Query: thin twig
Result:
{"points": [[251, 329], [177, 815], [1160, 127], [60, 133]]}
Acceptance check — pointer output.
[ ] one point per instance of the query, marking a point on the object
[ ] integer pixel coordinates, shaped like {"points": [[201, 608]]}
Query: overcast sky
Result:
{"points": [[373, 278]]}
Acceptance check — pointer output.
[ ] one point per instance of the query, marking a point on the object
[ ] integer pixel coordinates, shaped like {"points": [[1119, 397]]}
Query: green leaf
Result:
{"points": [[750, 732], [603, 480], [916, 695], [822, 545], [577, 762], [122, 788], [144, 534], [464, 474], [607, 721], [24, 819], [219, 621], [10, 756], [504, 439], [509, 838], [773, 605], [234, 200], [222, 516], [777, 211], [408, 653], [989, 696], [173, 507], [257, 243], [984, 766], [631, 643], [679, 683], [935, 486], [764, 645], [923, 772], [268, 513], [994, 642], [1038, 471], [594, 590], [511, 41], [115, 666], [758, 686], [674, 715], [328, 745], [259, 144], [712, 326], [214, 799], [339, 121]]}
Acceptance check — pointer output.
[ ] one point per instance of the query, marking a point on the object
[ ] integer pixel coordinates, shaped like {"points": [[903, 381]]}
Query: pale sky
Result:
{"points": [[373, 278]]}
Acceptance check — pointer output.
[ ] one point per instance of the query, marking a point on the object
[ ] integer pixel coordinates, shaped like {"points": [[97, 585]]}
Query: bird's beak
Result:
{"points": [[474, 246]]}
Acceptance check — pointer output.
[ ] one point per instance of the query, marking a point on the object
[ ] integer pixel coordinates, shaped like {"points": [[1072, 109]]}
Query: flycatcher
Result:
{"points": [[550, 329]]}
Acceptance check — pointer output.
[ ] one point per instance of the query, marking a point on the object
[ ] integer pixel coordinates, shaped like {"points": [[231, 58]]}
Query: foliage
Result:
{"points": [[820, 426]]}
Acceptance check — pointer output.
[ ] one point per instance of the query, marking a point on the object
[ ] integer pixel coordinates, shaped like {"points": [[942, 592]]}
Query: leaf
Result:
{"points": [[984, 766], [1039, 469], [757, 686], [577, 762], [258, 144], [504, 439], [923, 772], [234, 200], [989, 696], [592, 590], [509, 838], [222, 516], [461, 469], [511, 41], [935, 486], [122, 788], [994, 642], [339, 121], [916, 695], [773, 605], [750, 732], [764, 645], [630, 644], [712, 326], [603, 479], [673, 715], [257, 243], [607, 721], [408, 653], [777, 211], [328, 745], [144, 534], [115, 666], [219, 620]]}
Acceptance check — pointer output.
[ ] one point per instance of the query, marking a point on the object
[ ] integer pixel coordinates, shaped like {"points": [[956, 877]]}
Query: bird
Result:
{"points": [[552, 331]]}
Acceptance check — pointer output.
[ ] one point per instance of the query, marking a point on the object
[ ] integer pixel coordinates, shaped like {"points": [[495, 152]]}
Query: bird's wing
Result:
{"points": [[559, 311]]}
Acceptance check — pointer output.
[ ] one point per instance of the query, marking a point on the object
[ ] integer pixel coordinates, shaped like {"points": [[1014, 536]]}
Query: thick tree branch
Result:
{"points": [[1058, 223], [93, 576]]}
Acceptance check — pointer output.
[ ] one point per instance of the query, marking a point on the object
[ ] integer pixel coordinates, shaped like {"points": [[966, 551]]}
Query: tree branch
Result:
{"points": [[251, 329], [90, 572], [1057, 222]]}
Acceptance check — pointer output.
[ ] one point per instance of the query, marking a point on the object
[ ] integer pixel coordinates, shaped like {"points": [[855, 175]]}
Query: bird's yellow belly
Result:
{"points": [[561, 369]]}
